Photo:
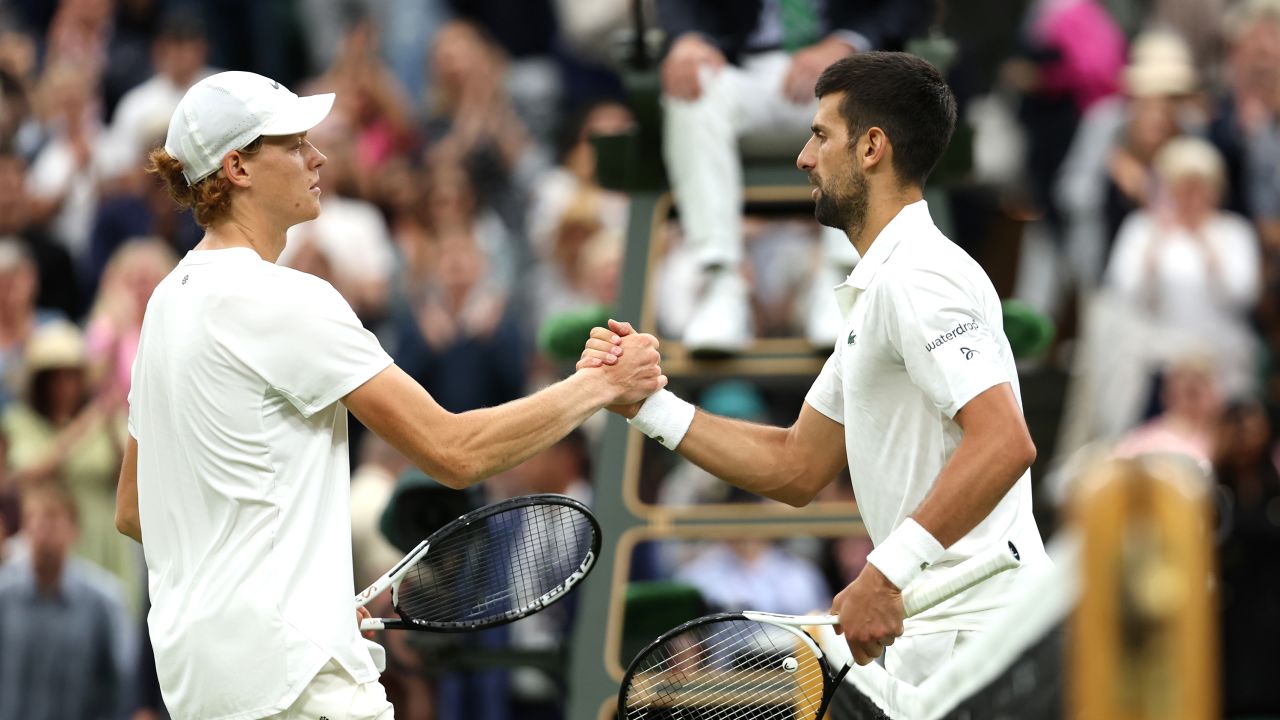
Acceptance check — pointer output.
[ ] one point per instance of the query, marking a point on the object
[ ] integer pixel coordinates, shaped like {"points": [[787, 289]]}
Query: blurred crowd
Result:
{"points": [[1133, 146]]}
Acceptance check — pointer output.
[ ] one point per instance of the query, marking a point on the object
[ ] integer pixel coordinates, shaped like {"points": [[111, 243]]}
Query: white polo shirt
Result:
{"points": [[923, 335], [243, 481]]}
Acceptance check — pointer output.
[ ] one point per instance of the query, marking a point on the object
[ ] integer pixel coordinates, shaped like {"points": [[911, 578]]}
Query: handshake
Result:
{"points": [[624, 364]]}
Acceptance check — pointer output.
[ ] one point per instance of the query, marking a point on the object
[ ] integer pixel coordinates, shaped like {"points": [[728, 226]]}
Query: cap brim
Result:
{"points": [[300, 116]]}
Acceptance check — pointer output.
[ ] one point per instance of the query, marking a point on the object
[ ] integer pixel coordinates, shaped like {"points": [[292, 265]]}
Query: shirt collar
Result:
{"points": [[205, 257], [907, 222]]}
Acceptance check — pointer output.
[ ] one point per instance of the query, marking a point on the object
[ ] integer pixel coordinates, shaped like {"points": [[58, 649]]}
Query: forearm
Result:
{"points": [[460, 450], [971, 484], [747, 455], [494, 439], [753, 457], [790, 465]]}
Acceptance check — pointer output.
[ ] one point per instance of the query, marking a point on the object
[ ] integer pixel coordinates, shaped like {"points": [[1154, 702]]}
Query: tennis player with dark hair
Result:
{"points": [[236, 470], [920, 397]]}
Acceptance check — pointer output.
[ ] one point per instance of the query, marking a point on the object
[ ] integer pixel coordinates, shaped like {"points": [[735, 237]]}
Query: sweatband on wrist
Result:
{"points": [[665, 418], [905, 554]]}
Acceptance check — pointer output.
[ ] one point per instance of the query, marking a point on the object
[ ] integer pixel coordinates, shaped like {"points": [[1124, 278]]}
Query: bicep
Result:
{"points": [[127, 514], [129, 466], [818, 442], [399, 410], [995, 414]]}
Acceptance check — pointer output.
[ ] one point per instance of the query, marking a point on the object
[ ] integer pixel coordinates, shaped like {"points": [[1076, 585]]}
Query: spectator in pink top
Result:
{"points": [[1071, 57], [1192, 408], [115, 322], [1089, 47]]}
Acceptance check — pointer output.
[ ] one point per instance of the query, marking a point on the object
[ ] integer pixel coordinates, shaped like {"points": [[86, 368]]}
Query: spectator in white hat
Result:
{"points": [[1108, 170]]}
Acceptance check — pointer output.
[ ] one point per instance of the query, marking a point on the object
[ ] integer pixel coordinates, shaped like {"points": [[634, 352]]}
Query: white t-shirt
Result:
{"points": [[243, 481], [923, 336]]}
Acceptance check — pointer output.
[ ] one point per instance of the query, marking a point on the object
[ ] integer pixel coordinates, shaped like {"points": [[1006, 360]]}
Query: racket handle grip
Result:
{"points": [[834, 646], [955, 580], [368, 624]]}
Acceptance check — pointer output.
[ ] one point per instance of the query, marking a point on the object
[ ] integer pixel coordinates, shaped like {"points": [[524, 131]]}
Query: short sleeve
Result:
{"points": [[133, 420], [309, 346], [133, 406], [951, 352], [827, 394]]}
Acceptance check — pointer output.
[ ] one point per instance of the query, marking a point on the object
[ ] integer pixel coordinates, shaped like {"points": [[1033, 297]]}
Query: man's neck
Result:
{"points": [[879, 214], [268, 243]]}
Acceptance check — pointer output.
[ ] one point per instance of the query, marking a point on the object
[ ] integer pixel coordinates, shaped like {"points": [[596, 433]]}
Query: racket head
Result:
{"points": [[727, 666], [498, 564]]}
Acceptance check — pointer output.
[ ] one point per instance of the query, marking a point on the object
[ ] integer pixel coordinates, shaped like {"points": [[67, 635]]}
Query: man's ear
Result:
{"points": [[235, 169], [876, 151]]}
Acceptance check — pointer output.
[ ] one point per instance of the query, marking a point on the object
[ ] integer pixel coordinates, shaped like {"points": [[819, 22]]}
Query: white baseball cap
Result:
{"points": [[227, 111]]}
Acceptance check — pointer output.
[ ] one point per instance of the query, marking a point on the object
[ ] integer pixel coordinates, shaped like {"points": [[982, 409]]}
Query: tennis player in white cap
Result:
{"points": [[236, 470]]}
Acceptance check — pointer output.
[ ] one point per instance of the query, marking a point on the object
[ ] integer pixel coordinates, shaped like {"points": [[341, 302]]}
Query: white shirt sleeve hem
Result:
{"points": [[343, 389], [822, 407]]}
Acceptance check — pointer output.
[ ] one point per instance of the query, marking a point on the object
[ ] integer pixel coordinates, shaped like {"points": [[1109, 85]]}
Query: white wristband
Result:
{"points": [[665, 418], [905, 554]]}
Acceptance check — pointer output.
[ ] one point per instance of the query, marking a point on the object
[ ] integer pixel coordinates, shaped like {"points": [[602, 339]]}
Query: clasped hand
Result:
{"points": [[630, 359]]}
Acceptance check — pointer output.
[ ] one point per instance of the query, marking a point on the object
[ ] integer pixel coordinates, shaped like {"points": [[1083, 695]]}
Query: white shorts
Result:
{"points": [[334, 695], [912, 659]]}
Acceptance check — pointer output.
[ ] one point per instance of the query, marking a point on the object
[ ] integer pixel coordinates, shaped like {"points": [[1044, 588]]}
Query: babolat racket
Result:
{"points": [[753, 665], [491, 566]]}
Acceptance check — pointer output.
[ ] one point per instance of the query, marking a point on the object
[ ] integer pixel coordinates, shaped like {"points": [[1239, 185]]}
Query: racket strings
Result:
{"points": [[533, 567], [497, 565], [728, 669], [459, 571]]}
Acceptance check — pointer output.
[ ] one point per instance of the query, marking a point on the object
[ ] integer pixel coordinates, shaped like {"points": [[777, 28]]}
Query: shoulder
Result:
{"points": [[931, 264], [1234, 224], [275, 289], [269, 300]]}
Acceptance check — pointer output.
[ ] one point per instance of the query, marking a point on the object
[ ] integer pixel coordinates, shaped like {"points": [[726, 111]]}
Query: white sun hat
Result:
{"points": [[227, 111]]}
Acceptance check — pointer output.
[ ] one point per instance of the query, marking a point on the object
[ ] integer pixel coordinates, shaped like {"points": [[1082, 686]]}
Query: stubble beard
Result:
{"points": [[847, 212]]}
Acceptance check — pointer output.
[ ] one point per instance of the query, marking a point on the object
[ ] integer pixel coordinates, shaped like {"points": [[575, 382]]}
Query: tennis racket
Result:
{"points": [[490, 567], [754, 665]]}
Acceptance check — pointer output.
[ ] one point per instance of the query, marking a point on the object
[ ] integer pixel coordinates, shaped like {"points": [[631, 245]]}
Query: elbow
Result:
{"points": [[455, 480], [456, 471], [799, 491], [128, 525], [1026, 454], [797, 498]]}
